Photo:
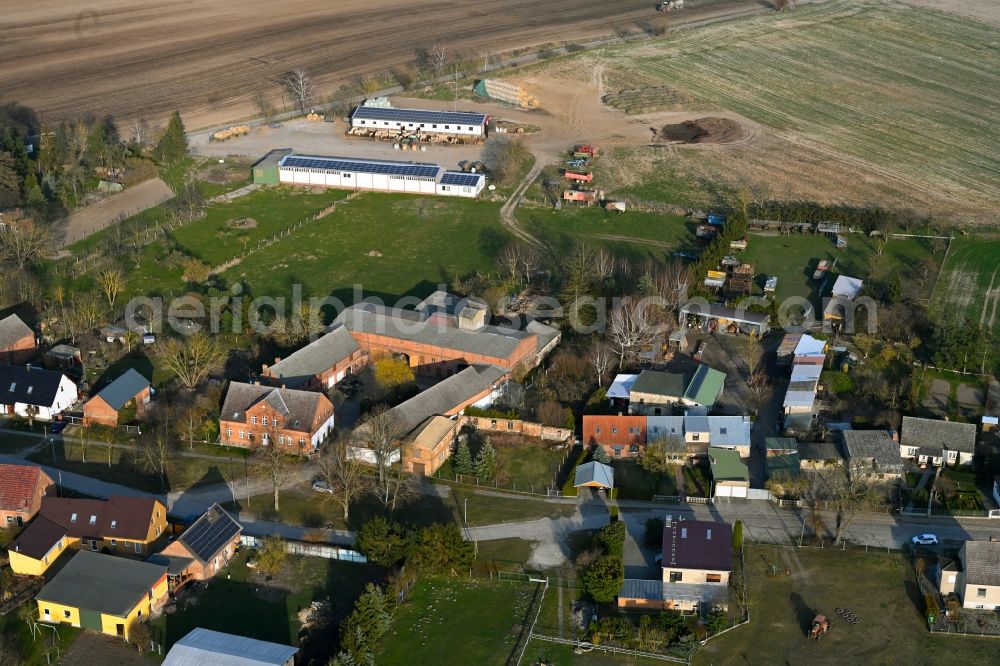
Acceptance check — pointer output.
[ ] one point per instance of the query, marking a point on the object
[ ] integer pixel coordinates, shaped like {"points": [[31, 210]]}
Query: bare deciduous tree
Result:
{"points": [[531, 261], [601, 357], [347, 477], [111, 282], [672, 283], [271, 463], [630, 328], [438, 59], [263, 106], [510, 259], [604, 264], [300, 86], [24, 245], [849, 495], [193, 358], [757, 383], [155, 450], [503, 157], [140, 132], [381, 432]]}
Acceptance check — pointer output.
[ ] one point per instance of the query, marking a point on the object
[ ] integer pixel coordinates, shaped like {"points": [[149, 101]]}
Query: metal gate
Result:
{"points": [[90, 619]]}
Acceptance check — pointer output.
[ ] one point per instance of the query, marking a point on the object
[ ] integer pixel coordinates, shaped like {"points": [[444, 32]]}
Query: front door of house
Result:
{"points": [[120, 629], [418, 468], [90, 619]]}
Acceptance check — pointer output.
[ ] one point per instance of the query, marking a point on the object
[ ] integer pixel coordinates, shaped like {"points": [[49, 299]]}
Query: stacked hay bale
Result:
{"points": [[230, 132]]}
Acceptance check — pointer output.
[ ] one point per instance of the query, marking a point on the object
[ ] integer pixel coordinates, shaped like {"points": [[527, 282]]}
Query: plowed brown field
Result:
{"points": [[208, 58]]}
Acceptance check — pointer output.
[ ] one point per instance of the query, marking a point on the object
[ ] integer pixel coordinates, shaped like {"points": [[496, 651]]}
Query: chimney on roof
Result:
{"points": [[894, 434]]}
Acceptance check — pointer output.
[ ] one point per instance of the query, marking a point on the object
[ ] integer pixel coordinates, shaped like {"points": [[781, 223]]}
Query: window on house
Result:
{"points": [[713, 578], [66, 614], [72, 518], [229, 433], [263, 420], [139, 614], [676, 576], [93, 520], [510, 425], [242, 434], [253, 419], [10, 519], [302, 442], [597, 430], [634, 448], [722, 431], [114, 542], [614, 430], [695, 437], [114, 524], [981, 592], [47, 611], [138, 547]]}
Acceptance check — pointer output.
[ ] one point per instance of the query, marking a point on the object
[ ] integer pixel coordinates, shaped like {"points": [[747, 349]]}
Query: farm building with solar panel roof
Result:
{"points": [[378, 176], [417, 121]]}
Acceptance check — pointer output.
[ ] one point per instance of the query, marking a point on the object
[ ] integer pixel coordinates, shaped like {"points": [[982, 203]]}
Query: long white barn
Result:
{"points": [[378, 176], [457, 123]]}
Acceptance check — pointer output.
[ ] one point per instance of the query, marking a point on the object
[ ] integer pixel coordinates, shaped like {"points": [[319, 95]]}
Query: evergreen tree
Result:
{"points": [[33, 196], [600, 455], [364, 628], [486, 461], [462, 460], [172, 146]]}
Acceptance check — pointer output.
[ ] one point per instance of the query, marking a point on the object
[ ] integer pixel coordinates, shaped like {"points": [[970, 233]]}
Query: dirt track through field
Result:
{"points": [[209, 59], [114, 208]]}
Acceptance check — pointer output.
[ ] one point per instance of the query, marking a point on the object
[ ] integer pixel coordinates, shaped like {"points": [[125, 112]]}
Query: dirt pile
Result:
{"points": [[702, 130]]}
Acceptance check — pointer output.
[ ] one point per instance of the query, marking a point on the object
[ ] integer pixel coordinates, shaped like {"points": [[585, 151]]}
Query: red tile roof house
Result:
{"points": [[251, 415], [202, 550], [621, 436], [17, 341], [697, 561], [130, 388], [22, 488]]}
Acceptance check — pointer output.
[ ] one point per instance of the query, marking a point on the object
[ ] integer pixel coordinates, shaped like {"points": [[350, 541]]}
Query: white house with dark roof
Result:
{"points": [[934, 442], [26, 388]]}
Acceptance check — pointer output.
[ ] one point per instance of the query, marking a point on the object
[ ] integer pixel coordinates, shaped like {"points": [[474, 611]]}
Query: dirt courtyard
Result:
{"points": [[209, 59]]}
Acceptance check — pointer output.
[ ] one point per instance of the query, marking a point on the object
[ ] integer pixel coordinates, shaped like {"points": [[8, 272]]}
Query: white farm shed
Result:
{"points": [[378, 176], [416, 121]]}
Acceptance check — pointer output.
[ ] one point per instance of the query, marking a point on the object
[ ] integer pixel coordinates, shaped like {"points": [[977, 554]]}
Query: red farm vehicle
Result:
{"points": [[579, 176], [585, 150]]}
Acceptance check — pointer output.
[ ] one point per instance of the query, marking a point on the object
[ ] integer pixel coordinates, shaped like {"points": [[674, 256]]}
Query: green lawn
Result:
{"points": [[530, 466], [879, 589], [409, 245], [126, 469], [13, 442], [213, 240], [509, 554], [964, 288], [634, 482], [793, 260], [240, 601], [497, 508], [14, 634], [456, 621]]}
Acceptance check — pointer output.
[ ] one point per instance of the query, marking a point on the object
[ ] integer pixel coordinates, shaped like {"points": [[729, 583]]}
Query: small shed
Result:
{"points": [[63, 356], [595, 475], [265, 172], [678, 340]]}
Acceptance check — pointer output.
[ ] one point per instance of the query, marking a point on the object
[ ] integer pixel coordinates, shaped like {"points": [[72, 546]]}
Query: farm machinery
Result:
{"points": [[578, 176], [669, 5], [820, 626], [584, 151]]}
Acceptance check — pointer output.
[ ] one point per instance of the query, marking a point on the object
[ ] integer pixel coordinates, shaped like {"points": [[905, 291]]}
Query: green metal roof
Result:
{"points": [[727, 466], [705, 386], [788, 463], [780, 444], [660, 383]]}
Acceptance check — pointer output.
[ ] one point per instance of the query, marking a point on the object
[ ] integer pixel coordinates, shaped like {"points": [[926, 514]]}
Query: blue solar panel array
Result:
{"points": [[388, 168], [460, 178], [419, 116]]}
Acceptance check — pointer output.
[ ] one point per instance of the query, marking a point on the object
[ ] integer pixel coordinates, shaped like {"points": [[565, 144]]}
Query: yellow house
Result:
{"points": [[38, 546], [103, 593], [129, 526]]}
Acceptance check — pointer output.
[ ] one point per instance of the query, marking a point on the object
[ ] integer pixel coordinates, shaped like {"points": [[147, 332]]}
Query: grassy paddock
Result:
{"points": [[964, 288], [456, 621], [880, 589]]}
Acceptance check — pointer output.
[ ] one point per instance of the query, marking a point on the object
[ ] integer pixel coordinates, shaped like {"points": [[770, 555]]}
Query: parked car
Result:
{"points": [[925, 540], [700, 350], [57, 427], [322, 487]]}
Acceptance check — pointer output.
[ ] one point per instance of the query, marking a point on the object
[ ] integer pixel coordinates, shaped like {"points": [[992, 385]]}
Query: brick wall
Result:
{"points": [[518, 427]]}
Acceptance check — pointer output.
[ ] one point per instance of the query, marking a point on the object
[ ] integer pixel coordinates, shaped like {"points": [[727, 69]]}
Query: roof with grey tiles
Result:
{"points": [[12, 330], [935, 435], [315, 358], [444, 396], [982, 562]]}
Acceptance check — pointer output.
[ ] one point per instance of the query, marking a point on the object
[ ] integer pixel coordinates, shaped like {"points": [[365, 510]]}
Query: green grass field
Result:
{"points": [[970, 285], [879, 589], [389, 244], [793, 260], [906, 95], [634, 482], [455, 621], [633, 234], [215, 241]]}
